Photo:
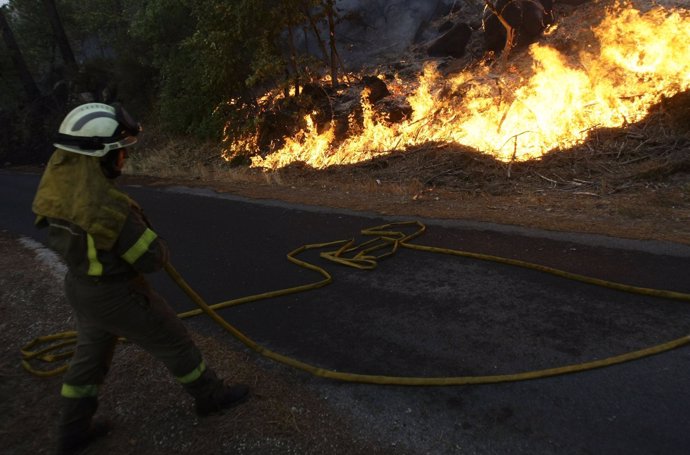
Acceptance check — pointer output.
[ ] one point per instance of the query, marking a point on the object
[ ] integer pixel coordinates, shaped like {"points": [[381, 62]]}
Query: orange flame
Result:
{"points": [[639, 58]]}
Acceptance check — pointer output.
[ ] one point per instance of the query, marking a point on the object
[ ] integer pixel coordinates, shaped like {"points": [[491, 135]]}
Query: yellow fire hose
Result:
{"points": [[362, 256]]}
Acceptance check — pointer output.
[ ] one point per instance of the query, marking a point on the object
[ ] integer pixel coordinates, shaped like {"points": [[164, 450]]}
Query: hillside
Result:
{"points": [[631, 179]]}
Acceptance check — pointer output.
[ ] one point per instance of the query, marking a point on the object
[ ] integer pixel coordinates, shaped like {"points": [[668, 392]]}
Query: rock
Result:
{"points": [[447, 25], [395, 110], [529, 18], [377, 88], [452, 43]]}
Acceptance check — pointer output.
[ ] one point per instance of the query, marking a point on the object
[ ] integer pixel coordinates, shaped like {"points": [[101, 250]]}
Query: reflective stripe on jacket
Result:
{"points": [[137, 249]]}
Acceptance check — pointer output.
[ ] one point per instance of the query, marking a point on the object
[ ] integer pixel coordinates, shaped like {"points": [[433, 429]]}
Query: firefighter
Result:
{"points": [[108, 244]]}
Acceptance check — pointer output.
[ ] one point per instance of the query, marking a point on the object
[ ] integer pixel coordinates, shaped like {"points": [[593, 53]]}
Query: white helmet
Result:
{"points": [[94, 129]]}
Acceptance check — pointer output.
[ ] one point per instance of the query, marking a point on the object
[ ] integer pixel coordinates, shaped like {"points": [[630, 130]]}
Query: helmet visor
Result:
{"points": [[127, 141], [125, 120]]}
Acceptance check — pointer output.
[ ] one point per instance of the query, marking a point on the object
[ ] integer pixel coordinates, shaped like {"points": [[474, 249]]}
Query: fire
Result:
{"points": [[518, 115]]}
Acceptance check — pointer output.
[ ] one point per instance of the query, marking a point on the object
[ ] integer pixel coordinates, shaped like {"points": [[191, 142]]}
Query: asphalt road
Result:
{"points": [[421, 314]]}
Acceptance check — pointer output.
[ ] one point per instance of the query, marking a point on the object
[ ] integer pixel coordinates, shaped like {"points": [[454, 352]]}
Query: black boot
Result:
{"points": [[212, 395], [77, 430]]}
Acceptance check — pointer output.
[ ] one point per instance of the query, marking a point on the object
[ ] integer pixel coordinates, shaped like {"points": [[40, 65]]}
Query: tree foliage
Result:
{"points": [[177, 63]]}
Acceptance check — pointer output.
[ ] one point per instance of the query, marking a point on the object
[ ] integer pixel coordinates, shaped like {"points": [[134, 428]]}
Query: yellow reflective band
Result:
{"points": [[95, 266], [140, 247], [79, 391], [193, 375]]}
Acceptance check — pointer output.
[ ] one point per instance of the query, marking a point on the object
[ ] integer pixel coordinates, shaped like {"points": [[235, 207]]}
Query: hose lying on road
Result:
{"points": [[386, 240]]}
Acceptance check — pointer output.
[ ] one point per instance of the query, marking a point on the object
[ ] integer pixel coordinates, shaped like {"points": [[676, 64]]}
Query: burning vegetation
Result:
{"points": [[592, 68]]}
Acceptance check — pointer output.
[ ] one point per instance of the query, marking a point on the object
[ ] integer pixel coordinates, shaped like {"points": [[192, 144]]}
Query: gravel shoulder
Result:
{"points": [[150, 412]]}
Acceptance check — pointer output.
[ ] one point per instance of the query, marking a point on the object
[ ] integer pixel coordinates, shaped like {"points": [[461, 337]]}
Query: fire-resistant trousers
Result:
{"points": [[130, 309]]}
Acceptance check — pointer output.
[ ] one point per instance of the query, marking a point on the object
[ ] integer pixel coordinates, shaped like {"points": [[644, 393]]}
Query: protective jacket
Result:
{"points": [[137, 249], [73, 188], [99, 231]]}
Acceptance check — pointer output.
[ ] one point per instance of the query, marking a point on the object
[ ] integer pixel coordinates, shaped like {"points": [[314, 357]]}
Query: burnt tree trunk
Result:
{"points": [[315, 29], [330, 13], [60, 35], [30, 87], [510, 31], [293, 59]]}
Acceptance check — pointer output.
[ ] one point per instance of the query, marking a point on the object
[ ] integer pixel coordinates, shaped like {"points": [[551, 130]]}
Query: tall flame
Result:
{"points": [[639, 58]]}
